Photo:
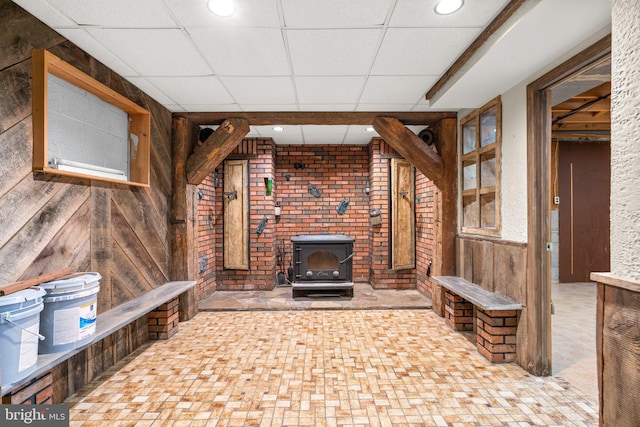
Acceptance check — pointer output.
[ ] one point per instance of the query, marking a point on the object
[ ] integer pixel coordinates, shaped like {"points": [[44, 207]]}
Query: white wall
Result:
{"points": [[625, 134], [513, 168]]}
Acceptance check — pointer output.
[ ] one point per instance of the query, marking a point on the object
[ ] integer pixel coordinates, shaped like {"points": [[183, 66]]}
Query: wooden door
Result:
{"points": [[403, 247], [584, 188], [236, 214]]}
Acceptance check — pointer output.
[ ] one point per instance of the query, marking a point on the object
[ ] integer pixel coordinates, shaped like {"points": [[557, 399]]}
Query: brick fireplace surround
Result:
{"points": [[339, 172]]}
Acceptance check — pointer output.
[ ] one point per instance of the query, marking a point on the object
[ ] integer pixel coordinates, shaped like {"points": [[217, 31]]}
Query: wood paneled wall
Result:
{"points": [[499, 266], [51, 222]]}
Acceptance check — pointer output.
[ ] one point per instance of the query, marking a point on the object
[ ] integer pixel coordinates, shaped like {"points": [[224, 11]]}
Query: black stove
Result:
{"points": [[322, 265]]}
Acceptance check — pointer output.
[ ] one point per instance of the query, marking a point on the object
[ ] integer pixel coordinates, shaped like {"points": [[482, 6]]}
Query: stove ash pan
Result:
{"points": [[323, 258]]}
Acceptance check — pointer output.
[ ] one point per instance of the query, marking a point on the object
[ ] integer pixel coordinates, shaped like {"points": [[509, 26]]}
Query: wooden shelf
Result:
{"points": [[45, 63]]}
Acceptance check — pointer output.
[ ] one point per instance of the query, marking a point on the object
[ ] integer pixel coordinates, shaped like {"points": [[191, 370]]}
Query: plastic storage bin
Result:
{"points": [[68, 319], [19, 325]]}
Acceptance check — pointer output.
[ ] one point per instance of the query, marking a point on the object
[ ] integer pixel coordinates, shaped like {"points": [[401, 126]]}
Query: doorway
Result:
{"points": [[540, 198], [579, 213]]}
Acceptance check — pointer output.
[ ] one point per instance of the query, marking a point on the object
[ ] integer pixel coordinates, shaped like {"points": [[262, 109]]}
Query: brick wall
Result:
{"points": [[262, 255], [426, 194], [338, 172], [207, 194], [380, 273]]}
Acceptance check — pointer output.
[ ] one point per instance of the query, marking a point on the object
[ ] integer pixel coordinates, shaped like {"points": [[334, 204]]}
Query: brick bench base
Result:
{"points": [[163, 321]]}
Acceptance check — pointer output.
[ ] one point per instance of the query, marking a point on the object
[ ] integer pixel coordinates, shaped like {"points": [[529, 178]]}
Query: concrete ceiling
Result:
{"points": [[312, 55]]}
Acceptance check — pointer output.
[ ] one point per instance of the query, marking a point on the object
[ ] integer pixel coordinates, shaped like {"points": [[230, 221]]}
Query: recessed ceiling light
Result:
{"points": [[446, 7], [370, 129], [278, 128], [221, 7]]}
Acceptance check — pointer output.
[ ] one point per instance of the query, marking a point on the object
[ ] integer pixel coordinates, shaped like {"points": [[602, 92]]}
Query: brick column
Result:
{"points": [[458, 312], [163, 321], [37, 391], [496, 334]]}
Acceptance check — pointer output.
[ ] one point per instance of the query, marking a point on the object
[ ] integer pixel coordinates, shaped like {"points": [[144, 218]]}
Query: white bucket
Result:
{"points": [[69, 317], [19, 325]]}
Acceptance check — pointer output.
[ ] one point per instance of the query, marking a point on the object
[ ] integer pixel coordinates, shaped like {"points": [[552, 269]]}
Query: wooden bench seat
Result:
{"points": [[160, 305], [495, 317]]}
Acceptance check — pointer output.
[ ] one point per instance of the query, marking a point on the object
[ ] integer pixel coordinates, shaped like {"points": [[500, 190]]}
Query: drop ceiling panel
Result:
{"points": [[193, 90], [290, 134], [420, 13], [55, 19], [326, 90], [386, 90], [153, 52], [89, 44], [343, 52], [420, 51], [327, 107], [242, 51], [249, 13], [147, 87], [335, 13], [260, 90], [116, 13]]}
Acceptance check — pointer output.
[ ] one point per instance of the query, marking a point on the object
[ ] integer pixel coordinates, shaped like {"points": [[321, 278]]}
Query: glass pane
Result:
{"points": [[470, 211], [468, 137], [488, 170], [488, 210], [488, 127], [468, 175]]}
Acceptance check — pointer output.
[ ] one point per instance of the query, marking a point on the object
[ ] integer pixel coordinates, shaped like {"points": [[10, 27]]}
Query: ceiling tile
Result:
{"points": [[153, 52], [421, 51], [55, 19], [386, 90], [116, 13], [193, 90], [242, 51], [209, 107], [335, 13], [260, 90], [249, 13], [269, 107], [148, 88], [327, 107], [332, 52], [85, 41], [420, 13], [385, 107], [290, 134], [326, 90]]}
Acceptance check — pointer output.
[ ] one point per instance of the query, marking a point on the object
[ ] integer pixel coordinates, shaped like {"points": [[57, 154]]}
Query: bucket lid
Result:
{"points": [[24, 295], [76, 281]]}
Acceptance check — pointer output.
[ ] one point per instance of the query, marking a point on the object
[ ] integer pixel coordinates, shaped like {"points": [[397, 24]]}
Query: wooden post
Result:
{"points": [[446, 208], [184, 135]]}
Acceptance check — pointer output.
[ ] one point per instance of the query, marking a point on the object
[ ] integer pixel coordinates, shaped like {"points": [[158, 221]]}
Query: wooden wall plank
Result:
{"points": [[101, 242], [143, 221], [510, 264], [147, 274], [403, 247], [15, 155], [236, 215], [19, 35], [25, 246], [70, 247], [16, 94]]}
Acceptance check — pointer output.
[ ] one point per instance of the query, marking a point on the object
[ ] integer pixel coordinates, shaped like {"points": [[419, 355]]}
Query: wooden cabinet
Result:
{"points": [[84, 129]]}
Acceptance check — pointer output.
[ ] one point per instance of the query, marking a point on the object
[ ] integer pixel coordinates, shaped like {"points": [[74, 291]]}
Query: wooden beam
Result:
{"points": [[466, 56], [363, 118], [409, 146], [215, 149]]}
